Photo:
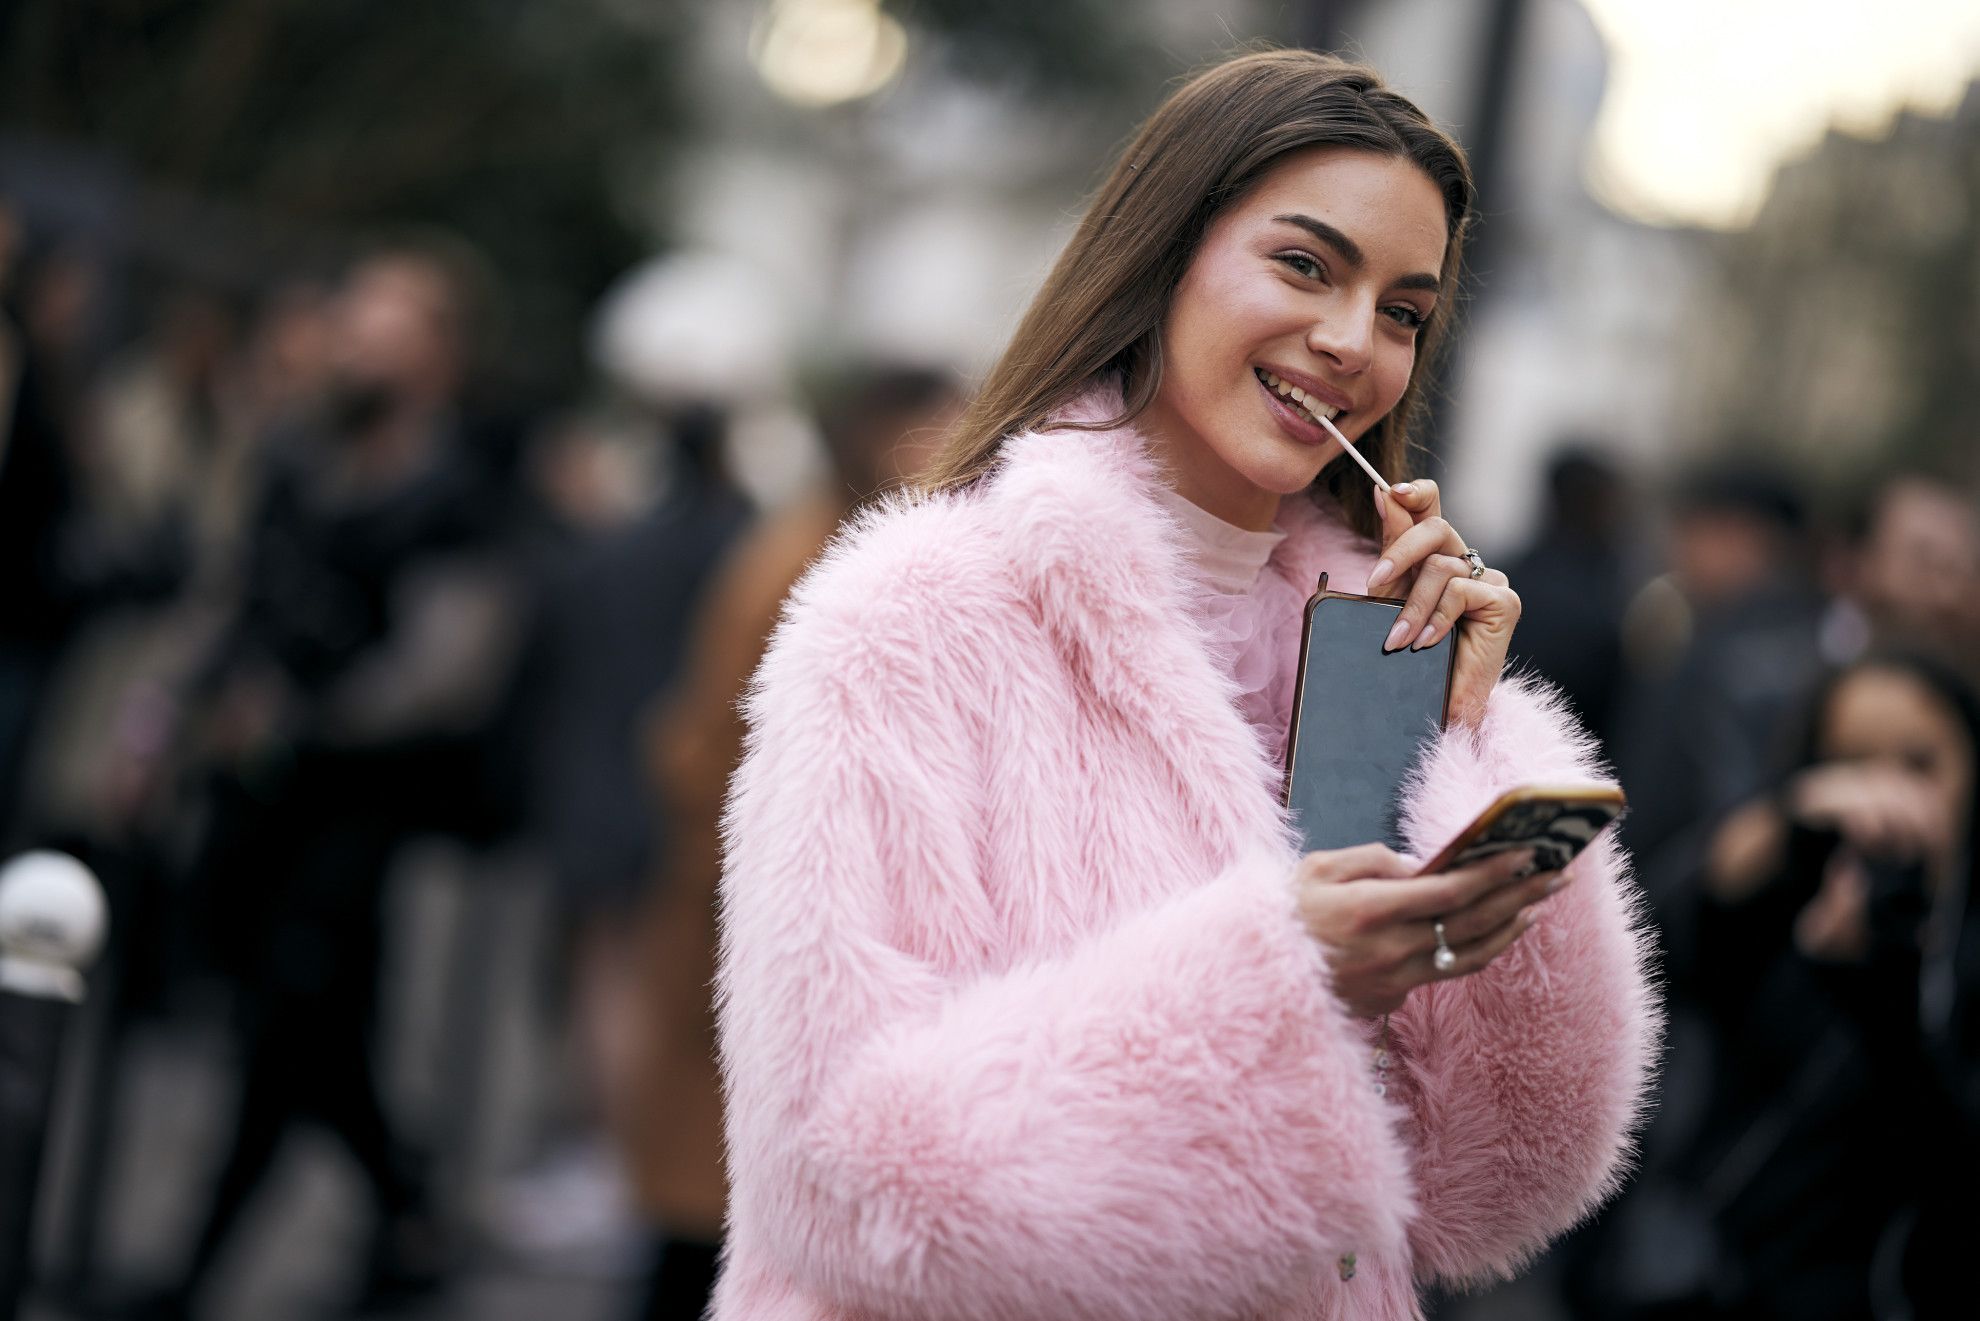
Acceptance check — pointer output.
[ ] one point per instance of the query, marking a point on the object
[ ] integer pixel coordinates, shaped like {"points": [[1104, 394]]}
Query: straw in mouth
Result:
{"points": [[1352, 452]]}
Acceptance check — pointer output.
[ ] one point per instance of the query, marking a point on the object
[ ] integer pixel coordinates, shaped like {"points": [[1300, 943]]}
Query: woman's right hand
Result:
{"points": [[1881, 810], [1376, 918]]}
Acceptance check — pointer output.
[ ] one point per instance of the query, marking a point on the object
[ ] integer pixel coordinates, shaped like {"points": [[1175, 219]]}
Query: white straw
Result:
{"points": [[1352, 452]]}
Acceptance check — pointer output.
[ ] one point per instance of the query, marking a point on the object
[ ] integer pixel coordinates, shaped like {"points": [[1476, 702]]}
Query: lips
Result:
{"points": [[1308, 406], [1301, 405]]}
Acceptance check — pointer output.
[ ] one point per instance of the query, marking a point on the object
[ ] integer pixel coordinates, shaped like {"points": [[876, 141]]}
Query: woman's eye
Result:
{"points": [[1405, 315], [1302, 265]]}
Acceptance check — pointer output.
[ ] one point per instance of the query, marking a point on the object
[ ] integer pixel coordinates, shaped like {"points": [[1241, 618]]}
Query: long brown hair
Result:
{"points": [[1101, 309]]}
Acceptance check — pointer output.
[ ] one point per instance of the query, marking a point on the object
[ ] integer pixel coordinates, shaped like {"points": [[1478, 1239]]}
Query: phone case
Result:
{"points": [[1384, 710], [1556, 822]]}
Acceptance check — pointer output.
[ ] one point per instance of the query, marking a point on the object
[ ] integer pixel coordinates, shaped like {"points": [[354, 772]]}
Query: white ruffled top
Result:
{"points": [[1249, 611]]}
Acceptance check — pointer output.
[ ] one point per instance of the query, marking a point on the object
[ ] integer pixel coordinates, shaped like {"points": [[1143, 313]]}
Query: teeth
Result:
{"points": [[1300, 397]]}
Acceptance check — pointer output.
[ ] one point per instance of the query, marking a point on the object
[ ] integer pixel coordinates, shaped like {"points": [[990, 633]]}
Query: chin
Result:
{"points": [[1281, 470]]}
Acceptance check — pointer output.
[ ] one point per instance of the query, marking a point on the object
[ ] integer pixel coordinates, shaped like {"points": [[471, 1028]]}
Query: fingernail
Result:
{"points": [[1397, 636], [1554, 886], [1423, 638], [1401, 488], [1383, 569]]}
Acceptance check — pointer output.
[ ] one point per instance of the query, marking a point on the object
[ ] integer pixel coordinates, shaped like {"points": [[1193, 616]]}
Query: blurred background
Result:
{"points": [[412, 415]]}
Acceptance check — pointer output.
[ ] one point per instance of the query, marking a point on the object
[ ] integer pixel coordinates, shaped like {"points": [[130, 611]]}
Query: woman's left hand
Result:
{"points": [[1423, 559]]}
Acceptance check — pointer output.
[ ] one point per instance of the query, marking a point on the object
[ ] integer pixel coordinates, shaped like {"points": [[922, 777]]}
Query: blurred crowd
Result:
{"points": [[285, 593], [1787, 689]]}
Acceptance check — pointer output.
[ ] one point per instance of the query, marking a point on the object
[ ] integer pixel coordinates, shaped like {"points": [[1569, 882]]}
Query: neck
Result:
{"points": [[1196, 474]]}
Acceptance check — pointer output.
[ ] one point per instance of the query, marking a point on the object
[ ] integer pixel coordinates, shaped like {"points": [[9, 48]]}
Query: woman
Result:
{"points": [[1028, 1008], [875, 427], [1839, 961]]}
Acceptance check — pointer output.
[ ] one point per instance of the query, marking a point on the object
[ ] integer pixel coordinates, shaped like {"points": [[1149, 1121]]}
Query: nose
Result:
{"points": [[1346, 334]]}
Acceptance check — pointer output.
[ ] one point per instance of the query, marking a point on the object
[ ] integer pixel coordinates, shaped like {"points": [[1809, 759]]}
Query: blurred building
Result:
{"points": [[1844, 325], [913, 225], [1578, 313]]}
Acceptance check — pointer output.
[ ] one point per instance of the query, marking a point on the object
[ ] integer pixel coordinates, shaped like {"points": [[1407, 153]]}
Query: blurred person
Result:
{"points": [[609, 630], [346, 707], [1721, 652], [1573, 584], [177, 420], [11, 236], [1917, 570], [148, 467], [158, 410], [279, 370], [53, 576], [880, 424], [646, 501], [1026, 1004], [1838, 951]]}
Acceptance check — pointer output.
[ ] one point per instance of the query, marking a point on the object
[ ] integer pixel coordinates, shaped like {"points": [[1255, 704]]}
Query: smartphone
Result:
{"points": [[1556, 822], [1360, 720]]}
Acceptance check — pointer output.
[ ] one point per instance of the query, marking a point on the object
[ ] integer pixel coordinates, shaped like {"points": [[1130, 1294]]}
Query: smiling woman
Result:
{"points": [[1028, 1009], [1322, 278]]}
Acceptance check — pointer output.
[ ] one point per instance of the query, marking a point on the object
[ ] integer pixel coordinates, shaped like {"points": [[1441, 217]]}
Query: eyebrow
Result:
{"points": [[1351, 251]]}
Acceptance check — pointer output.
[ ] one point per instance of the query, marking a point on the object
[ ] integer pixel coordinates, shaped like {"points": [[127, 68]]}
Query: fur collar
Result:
{"points": [[1107, 570]]}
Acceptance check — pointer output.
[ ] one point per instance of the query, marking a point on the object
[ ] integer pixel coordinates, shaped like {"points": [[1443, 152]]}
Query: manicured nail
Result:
{"points": [[1423, 639], [1401, 488], [1383, 569], [1554, 886], [1397, 636]]}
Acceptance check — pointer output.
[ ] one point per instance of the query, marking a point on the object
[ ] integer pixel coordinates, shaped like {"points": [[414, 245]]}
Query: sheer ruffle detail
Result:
{"points": [[1256, 636]]}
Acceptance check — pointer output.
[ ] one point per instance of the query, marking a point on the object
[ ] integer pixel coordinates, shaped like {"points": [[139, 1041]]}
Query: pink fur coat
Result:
{"points": [[1017, 1021]]}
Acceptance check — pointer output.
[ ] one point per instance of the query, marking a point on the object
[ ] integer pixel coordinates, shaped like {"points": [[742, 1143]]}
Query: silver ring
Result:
{"points": [[1476, 561], [1443, 960]]}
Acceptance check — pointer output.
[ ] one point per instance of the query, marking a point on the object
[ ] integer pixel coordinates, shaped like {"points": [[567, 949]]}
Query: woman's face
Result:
{"points": [[1888, 717], [1320, 278]]}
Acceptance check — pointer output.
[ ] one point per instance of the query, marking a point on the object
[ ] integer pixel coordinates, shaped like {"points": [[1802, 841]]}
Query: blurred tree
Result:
{"points": [[522, 124], [1105, 56], [1070, 48]]}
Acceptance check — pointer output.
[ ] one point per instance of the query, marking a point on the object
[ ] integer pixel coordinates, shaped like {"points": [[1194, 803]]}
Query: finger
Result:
{"points": [[1490, 912], [1433, 582], [1428, 898], [1403, 551], [1362, 862], [1420, 496], [1470, 597], [1395, 519]]}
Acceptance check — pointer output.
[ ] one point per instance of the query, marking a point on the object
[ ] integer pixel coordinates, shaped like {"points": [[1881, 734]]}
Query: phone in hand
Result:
{"points": [[1556, 821], [1361, 719]]}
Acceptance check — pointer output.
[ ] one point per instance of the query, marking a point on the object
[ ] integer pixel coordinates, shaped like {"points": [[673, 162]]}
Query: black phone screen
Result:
{"points": [[1360, 721]]}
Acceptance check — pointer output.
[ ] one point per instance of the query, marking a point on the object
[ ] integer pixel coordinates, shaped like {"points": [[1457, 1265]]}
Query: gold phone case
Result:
{"points": [[1556, 821]]}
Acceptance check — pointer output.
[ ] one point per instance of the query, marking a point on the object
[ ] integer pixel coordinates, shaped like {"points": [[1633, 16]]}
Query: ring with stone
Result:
{"points": [[1476, 561], [1443, 960]]}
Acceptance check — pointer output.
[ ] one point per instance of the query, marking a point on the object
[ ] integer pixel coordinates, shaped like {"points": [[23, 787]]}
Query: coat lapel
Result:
{"points": [[1107, 570]]}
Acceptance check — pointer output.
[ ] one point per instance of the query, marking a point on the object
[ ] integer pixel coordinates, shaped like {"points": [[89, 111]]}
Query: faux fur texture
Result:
{"points": [[1017, 1019]]}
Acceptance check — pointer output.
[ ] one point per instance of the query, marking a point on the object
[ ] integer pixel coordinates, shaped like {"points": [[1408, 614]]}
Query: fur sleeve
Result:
{"points": [[1525, 1082], [1171, 1120]]}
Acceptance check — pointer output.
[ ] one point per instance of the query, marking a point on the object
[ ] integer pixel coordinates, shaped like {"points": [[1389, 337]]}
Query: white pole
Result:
{"points": [[52, 923]]}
